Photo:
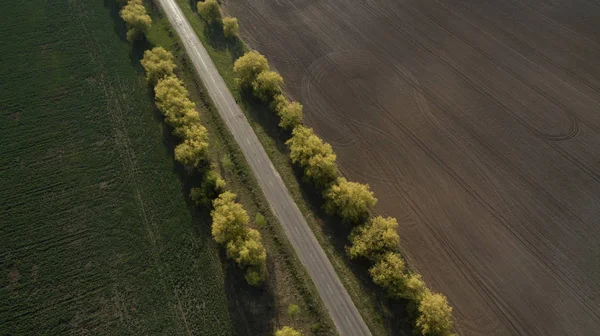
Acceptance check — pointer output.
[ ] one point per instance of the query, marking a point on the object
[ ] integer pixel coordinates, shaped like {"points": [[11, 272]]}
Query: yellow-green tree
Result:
{"points": [[210, 11], [247, 67], [229, 218], [312, 154], [388, 273], [287, 331], [137, 20], [322, 168], [231, 28], [172, 100], [212, 186], [267, 84], [435, 315], [374, 239], [158, 63], [290, 113], [414, 287], [352, 201], [194, 146], [249, 253]]}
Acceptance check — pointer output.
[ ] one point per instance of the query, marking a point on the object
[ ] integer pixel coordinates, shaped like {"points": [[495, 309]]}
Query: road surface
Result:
{"points": [[341, 308]]}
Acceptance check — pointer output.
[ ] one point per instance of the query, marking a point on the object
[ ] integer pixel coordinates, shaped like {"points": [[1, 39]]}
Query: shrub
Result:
{"points": [[287, 331], [293, 310], [435, 315], [267, 84], [352, 201], [260, 220], [247, 67], [290, 113], [136, 19], [158, 63], [229, 218], [210, 11], [231, 28], [374, 239]]}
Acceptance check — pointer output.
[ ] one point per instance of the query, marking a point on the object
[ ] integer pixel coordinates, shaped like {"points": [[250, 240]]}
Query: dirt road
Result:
{"points": [[477, 124], [335, 297]]}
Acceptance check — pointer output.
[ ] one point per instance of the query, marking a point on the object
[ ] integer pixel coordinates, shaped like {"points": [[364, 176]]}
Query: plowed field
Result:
{"points": [[477, 124]]}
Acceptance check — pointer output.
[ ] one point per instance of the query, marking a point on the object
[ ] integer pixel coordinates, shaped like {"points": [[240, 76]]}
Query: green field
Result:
{"points": [[95, 233]]}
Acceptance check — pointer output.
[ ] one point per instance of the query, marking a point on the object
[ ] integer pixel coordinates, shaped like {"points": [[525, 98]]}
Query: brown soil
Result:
{"points": [[477, 124]]}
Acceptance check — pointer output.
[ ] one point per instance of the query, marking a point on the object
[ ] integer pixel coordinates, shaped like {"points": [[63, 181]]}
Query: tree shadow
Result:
{"points": [[114, 6], [215, 37], [253, 308]]}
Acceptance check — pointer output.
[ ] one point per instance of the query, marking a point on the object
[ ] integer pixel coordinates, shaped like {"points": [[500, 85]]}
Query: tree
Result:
{"points": [[388, 273], [267, 84], [293, 310], [290, 113], [312, 154], [194, 146], [247, 67], [287, 331], [136, 19], [229, 218], [435, 315], [211, 187], [322, 168], [172, 100], [158, 63], [210, 11], [350, 200], [250, 254], [247, 250], [374, 239], [414, 287], [231, 28]]}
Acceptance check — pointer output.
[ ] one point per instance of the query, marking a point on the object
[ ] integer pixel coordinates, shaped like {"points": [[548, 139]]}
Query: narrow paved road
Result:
{"points": [[341, 308]]}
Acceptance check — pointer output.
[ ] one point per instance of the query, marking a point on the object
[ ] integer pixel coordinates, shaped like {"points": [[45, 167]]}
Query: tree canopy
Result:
{"points": [[136, 19], [312, 154], [158, 63], [210, 11], [243, 244], [267, 84], [435, 315], [247, 67], [193, 149], [374, 239], [352, 201], [229, 218], [290, 113], [231, 28], [389, 274], [287, 331], [211, 187]]}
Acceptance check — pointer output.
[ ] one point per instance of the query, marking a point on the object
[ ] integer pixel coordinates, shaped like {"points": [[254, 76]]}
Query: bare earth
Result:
{"points": [[477, 124]]}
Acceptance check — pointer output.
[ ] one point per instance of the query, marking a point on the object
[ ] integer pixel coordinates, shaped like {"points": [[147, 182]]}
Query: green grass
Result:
{"points": [[382, 316], [95, 233]]}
